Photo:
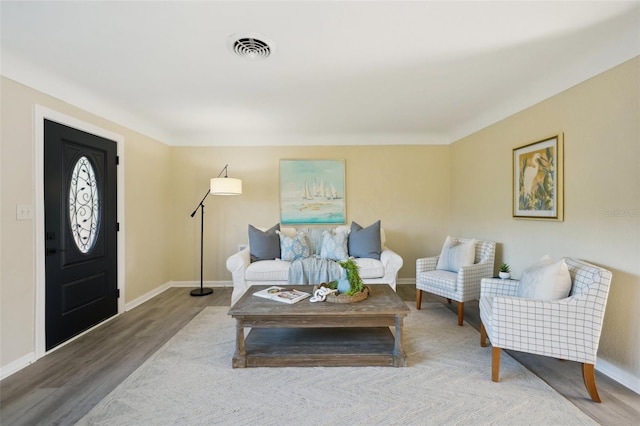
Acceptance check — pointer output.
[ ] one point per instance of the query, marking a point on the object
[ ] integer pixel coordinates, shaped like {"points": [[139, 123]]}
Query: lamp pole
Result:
{"points": [[201, 291], [217, 186]]}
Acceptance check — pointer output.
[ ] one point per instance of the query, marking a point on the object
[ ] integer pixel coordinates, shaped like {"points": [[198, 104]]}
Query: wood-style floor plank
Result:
{"points": [[64, 385]]}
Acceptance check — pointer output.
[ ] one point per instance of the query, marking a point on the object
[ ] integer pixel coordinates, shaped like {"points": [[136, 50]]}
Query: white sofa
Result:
{"points": [[276, 272]]}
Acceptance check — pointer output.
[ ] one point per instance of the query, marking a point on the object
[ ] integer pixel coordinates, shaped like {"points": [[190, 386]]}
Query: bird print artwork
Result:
{"points": [[536, 181], [530, 173]]}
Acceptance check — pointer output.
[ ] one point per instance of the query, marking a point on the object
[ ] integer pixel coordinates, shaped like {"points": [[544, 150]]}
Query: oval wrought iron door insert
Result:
{"points": [[84, 205]]}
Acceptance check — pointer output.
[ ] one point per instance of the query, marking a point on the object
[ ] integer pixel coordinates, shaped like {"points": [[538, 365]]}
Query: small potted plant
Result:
{"points": [[505, 272]]}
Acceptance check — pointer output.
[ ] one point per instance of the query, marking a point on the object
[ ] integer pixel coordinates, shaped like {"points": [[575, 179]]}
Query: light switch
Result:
{"points": [[24, 212]]}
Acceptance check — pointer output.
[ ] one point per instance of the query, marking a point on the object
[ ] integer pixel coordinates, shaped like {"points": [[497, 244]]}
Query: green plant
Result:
{"points": [[504, 268], [353, 275]]}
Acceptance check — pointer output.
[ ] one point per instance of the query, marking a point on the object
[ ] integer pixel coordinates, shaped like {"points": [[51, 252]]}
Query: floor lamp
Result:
{"points": [[218, 186]]}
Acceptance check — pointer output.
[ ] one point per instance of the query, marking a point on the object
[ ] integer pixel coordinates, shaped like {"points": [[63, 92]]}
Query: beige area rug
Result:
{"points": [[189, 381]]}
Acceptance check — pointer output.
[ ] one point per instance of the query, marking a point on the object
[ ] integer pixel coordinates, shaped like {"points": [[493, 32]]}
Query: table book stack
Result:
{"points": [[282, 294]]}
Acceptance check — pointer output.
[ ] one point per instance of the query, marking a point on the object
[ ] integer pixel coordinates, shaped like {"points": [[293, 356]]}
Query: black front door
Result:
{"points": [[80, 231]]}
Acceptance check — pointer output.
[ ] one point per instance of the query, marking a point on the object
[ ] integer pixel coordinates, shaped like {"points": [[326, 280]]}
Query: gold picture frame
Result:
{"points": [[538, 179]]}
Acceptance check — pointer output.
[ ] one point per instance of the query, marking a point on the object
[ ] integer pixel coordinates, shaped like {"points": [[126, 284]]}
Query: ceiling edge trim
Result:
{"points": [[23, 72], [317, 139]]}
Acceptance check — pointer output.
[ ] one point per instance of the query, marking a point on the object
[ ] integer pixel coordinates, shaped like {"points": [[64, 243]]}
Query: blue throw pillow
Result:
{"points": [[334, 245], [365, 242], [264, 245], [293, 248]]}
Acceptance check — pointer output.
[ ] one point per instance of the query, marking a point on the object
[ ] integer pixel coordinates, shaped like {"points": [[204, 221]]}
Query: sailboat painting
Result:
{"points": [[312, 192]]}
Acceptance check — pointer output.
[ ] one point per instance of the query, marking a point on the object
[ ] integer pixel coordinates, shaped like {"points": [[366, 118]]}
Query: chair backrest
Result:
{"points": [[588, 280], [590, 286], [485, 250]]}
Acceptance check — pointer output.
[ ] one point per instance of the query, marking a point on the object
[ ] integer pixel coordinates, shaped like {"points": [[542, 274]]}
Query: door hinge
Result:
{"points": [[117, 293], [117, 226], [117, 160]]}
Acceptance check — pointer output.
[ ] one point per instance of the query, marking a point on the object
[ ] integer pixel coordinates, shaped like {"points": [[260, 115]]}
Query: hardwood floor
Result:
{"points": [[62, 387]]}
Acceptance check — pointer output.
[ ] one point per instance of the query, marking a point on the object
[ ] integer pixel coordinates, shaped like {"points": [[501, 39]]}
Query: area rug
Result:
{"points": [[189, 381]]}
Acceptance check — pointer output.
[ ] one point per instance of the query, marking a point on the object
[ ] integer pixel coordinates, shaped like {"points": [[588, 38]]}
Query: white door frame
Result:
{"points": [[40, 114]]}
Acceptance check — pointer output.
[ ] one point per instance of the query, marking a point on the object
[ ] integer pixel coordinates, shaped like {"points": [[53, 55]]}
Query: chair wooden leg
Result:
{"points": [[589, 377], [418, 298], [495, 364], [460, 313], [483, 335]]}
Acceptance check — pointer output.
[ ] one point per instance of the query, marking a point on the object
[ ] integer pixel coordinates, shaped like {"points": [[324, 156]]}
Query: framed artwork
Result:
{"points": [[312, 192], [538, 179]]}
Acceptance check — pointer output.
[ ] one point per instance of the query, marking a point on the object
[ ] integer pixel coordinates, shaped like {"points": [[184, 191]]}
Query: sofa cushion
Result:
{"points": [[365, 242], [369, 268], [293, 248], [342, 228], [268, 270], [264, 245], [289, 231], [315, 234], [545, 280], [334, 245], [456, 254]]}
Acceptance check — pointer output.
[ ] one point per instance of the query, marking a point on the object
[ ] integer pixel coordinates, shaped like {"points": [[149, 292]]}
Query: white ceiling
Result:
{"points": [[342, 72]]}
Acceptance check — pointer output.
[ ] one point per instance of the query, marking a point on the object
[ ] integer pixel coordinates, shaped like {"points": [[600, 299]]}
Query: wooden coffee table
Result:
{"points": [[321, 333]]}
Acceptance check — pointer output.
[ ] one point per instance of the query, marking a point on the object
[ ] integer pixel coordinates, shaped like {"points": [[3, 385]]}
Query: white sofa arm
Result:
{"points": [[392, 262], [237, 264]]}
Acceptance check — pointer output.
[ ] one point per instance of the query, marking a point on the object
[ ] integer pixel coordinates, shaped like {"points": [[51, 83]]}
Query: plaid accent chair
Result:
{"points": [[567, 329], [462, 286]]}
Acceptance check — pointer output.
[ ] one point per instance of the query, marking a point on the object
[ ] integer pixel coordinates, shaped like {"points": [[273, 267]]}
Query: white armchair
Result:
{"points": [[567, 329], [462, 286]]}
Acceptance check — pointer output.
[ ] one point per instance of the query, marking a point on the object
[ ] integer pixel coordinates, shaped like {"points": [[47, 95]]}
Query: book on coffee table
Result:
{"points": [[282, 294]]}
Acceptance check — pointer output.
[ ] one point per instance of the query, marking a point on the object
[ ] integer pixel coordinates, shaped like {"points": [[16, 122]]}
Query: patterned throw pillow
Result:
{"points": [[456, 254], [334, 245], [293, 248]]}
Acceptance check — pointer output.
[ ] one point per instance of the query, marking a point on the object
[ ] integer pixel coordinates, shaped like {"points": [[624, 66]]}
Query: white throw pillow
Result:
{"points": [[456, 254], [545, 280]]}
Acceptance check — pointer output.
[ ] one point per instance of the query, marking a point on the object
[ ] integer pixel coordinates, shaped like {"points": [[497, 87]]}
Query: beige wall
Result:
{"points": [[406, 187], [600, 121], [421, 194], [147, 197]]}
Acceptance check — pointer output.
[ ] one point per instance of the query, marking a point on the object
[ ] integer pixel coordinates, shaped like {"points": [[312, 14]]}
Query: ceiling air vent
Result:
{"points": [[251, 46]]}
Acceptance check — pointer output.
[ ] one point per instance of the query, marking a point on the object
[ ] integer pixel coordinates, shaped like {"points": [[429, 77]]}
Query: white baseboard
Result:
{"points": [[619, 375], [197, 284], [153, 293], [405, 281], [17, 365], [148, 296]]}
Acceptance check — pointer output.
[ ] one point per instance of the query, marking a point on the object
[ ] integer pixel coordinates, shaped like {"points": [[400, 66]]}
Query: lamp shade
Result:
{"points": [[226, 186]]}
